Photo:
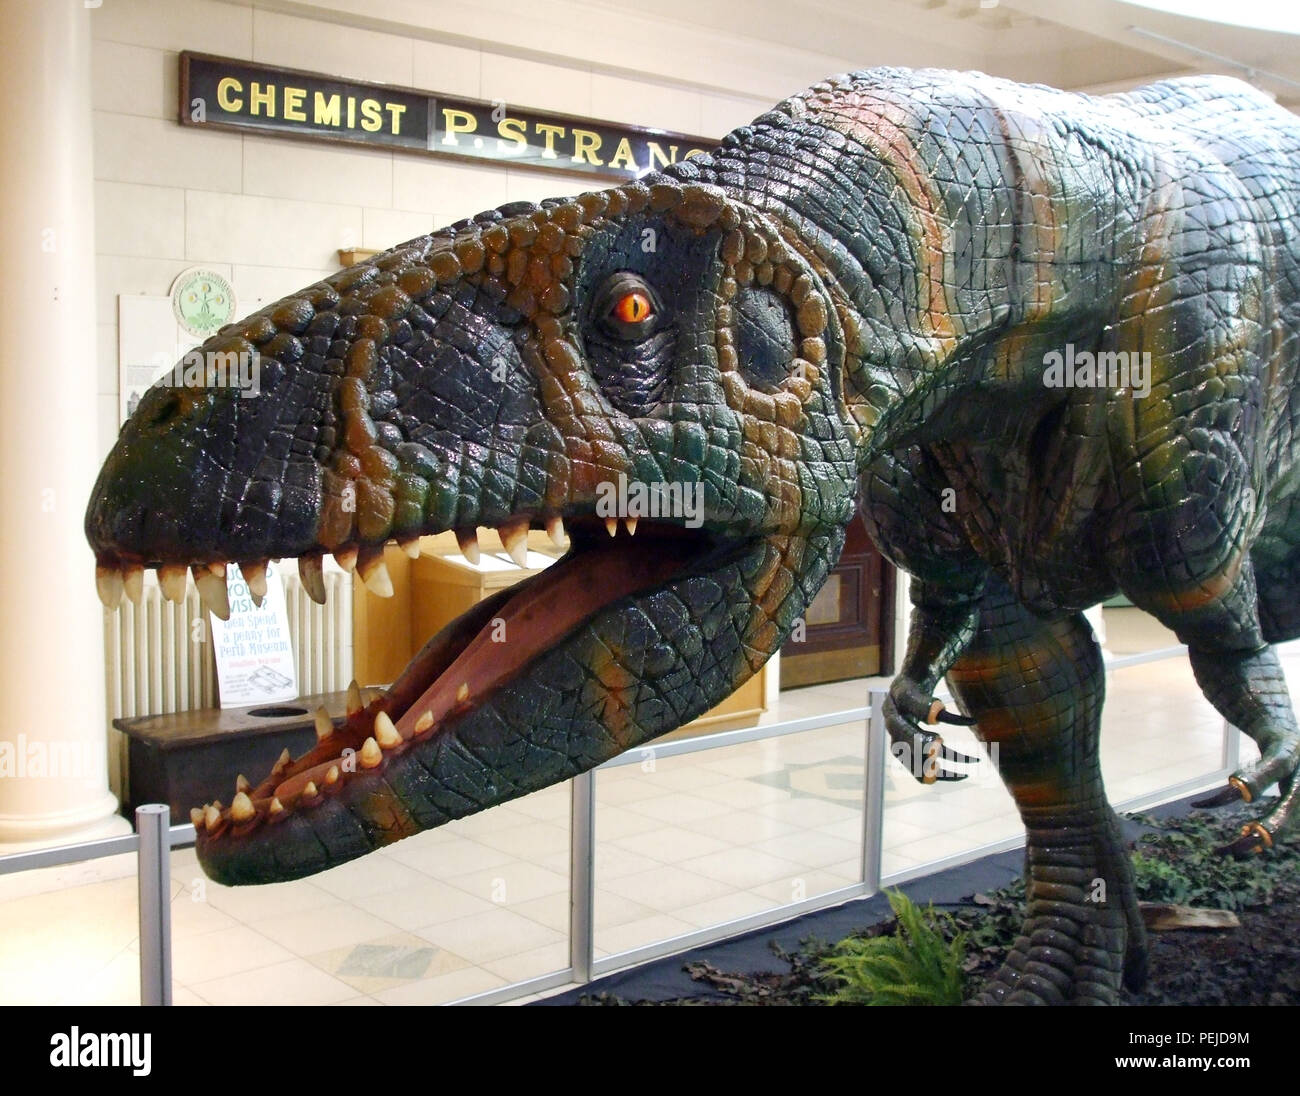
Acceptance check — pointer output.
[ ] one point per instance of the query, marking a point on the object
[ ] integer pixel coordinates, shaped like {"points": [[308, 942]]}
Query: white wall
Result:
{"points": [[270, 214]]}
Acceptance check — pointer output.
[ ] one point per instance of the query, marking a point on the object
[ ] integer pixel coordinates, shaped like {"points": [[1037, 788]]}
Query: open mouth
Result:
{"points": [[468, 662]]}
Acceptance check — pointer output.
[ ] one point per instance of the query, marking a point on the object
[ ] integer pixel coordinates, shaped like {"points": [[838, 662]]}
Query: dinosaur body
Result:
{"points": [[867, 284]]}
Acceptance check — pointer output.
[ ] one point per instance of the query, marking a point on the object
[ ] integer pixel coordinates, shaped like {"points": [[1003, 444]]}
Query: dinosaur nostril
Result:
{"points": [[166, 410]]}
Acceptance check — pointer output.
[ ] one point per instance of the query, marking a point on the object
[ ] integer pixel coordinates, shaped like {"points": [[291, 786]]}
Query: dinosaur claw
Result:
{"points": [[1255, 839], [939, 714], [958, 758], [1231, 794]]}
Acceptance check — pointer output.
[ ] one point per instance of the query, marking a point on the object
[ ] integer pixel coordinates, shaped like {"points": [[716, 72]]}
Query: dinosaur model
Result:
{"points": [[873, 284]]}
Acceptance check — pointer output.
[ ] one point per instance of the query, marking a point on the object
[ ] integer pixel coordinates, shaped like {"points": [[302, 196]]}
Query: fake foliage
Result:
{"points": [[914, 966], [942, 956]]}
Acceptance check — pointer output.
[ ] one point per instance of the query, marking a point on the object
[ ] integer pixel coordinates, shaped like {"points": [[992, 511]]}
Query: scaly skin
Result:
{"points": [[862, 283]]}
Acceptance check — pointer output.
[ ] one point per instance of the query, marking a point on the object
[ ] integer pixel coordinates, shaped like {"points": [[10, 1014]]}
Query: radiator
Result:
{"points": [[158, 656]]}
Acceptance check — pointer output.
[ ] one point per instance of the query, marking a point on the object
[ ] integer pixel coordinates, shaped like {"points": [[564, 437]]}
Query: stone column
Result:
{"points": [[53, 735]]}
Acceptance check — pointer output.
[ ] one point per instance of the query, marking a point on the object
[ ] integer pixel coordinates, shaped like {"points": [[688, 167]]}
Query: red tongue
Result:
{"points": [[555, 603]]}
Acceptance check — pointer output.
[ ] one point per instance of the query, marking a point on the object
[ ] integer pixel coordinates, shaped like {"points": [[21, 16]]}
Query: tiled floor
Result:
{"points": [[683, 843]]}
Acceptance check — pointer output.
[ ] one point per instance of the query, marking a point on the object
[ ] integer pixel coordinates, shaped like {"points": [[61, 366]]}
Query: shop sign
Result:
{"points": [[222, 93]]}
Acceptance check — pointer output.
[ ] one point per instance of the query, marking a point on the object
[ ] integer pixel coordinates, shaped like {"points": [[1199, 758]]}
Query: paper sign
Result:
{"points": [[255, 663]]}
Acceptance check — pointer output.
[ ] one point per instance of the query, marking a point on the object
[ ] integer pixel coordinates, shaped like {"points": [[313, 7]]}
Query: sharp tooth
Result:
{"points": [[172, 580], [467, 540], [374, 572], [276, 806], [282, 762], [354, 698], [218, 569], [241, 783], [211, 816], [310, 791], [196, 817], [555, 530], [212, 590], [217, 803], [424, 723], [514, 536], [324, 725], [411, 546], [462, 694], [631, 526], [313, 579], [133, 583], [346, 558], [255, 575], [370, 754], [332, 775], [611, 526], [108, 581], [385, 733], [241, 808]]}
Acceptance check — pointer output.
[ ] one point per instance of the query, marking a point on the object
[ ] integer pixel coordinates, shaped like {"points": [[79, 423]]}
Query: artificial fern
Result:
{"points": [[915, 966]]}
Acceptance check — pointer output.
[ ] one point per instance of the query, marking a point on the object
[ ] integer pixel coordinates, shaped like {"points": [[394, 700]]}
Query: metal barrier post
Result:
{"points": [[873, 792], [582, 876], [154, 871], [1231, 747]]}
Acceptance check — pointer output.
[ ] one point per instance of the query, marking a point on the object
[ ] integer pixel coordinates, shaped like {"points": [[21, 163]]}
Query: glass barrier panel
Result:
{"points": [[69, 935], [1157, 729], [924, 823], [691, 842], [459, 910]]}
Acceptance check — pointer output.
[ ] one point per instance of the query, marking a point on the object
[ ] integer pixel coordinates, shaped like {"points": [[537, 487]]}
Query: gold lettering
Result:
{"points": [[261, 97], [586, 144], [395, 112], [695, 152], [623, 156], [657, 153], [512, 130], [550, 132], [224, 100], [352, 112], [456, 121], [371, 118], [329, 111], [293, 98]]}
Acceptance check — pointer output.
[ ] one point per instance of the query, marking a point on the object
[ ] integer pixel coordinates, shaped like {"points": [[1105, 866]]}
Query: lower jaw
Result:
{"points": [[465, 667], [649, 663]]}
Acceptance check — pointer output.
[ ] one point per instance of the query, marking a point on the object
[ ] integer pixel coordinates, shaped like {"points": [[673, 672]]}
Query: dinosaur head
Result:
{"points": [[657, 368]]}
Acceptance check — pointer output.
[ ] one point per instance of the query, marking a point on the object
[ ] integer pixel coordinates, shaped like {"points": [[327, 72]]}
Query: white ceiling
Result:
{"points": [[1096, 45], [1093, 44]]}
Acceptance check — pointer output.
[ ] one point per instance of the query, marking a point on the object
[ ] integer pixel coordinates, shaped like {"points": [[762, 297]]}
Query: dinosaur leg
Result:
{"points": [[1239, 673], [1248, 688], [1035, 687]]}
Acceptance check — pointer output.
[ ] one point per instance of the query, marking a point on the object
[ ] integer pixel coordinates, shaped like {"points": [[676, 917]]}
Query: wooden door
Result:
{"points": [[849, 627]]}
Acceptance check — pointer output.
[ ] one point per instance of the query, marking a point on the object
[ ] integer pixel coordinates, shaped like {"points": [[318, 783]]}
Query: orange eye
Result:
{"points": [[633, 307]]}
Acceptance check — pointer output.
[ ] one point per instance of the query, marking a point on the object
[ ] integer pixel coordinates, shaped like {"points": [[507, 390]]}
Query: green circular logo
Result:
{"points": [[203, 301]]}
